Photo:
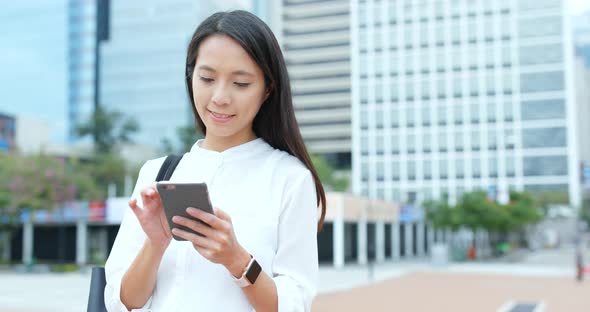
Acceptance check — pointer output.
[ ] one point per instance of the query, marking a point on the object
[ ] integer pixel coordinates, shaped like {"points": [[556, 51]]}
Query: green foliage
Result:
{"points": [[108, 128], [475, 211], [186, 137], [327, 175], [546, 199], [441, 215]]}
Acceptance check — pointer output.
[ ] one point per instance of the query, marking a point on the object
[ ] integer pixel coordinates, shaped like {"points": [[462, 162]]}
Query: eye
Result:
{"points": [[241, 84], [205, 79]]}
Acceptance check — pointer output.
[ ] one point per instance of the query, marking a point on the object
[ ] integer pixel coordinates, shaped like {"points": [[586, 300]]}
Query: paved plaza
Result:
{"points": [[545, 277]]}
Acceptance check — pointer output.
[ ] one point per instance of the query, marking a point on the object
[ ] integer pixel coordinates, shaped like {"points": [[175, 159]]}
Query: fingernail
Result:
{"points": [[191, 209], [175, 219]]}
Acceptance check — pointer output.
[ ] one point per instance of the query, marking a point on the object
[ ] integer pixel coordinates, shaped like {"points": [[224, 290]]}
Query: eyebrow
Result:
{"points": [[236, 72]]}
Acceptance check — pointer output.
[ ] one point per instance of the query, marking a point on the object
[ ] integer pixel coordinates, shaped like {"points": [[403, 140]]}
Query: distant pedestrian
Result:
{"points": [[579, 242]]}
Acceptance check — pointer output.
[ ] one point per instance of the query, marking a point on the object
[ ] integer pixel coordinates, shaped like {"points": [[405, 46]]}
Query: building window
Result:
{"points": [[490, 84], [474, 113], [507, 82], [440, 86], [442, 141], [379, 118], [410, 91], [395, 118], [380, 91], [443, 168], [395, 144], [475, 140], [541, 54], [379, 144], [364, 145], [476, 167], [509, 138], [540, 27], [458, 114], [394, 92], [395, 170], [545, 166], [426, 142], [544, 137], [441, 115], [473, 85], [492, 140], [542, 82], [543, 109], [427, 169], [510, 168], [364, 119], [459, 141], [364, 92], [459, 168], [425, 89], [411, 170], [508, 113], [425, 115], [411, 142], [491, 111], [493, 166], [380, 170]]}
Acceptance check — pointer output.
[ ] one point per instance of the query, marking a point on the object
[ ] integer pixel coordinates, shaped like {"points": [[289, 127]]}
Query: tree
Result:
{"points": [[186, 137], [441, 215], [38, 182], [327, 175], [475, 211], [108, 129]]}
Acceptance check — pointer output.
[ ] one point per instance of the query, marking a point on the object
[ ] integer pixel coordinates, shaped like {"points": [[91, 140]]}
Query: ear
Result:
{"points": [[267, 93]]}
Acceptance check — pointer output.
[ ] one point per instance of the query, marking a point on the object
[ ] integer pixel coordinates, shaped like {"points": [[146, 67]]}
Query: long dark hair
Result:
{"points": [[275, 121]]}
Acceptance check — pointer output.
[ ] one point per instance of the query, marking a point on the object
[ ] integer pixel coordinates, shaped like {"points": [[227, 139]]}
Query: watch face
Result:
{"points": [[253, 272]]}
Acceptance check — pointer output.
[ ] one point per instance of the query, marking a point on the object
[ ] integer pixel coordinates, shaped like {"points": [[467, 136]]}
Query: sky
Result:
{"points": [[33, 75]]}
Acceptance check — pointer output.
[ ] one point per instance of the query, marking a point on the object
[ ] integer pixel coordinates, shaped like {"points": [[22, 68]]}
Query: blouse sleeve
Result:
{"points": [[295, 267], [127, 245]]}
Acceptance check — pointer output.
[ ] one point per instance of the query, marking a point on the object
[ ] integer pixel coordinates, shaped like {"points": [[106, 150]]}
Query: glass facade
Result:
{"points": [[142, 64]]}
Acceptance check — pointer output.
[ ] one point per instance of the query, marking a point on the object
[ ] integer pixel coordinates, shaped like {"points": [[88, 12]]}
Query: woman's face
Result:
{"points": [[228, 89]]}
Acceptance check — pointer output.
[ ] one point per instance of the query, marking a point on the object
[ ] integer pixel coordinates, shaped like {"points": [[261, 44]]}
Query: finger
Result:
{"points": [[194, 225], [209, 218], [222, 214], [133, 205], [197, 240]]}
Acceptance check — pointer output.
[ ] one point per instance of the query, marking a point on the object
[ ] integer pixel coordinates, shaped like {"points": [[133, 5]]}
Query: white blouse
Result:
{"points": [[271, 198]]}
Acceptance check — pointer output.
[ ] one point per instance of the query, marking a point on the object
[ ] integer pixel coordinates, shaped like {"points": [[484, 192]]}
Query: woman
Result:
{"points": [[259, 174]]}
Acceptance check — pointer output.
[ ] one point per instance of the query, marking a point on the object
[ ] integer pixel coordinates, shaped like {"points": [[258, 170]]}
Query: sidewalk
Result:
{"points": [[459, 292], [408, 285]]}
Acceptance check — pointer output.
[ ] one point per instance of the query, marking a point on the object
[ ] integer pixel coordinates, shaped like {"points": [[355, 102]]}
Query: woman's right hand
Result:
{"points": [[152, 218]]}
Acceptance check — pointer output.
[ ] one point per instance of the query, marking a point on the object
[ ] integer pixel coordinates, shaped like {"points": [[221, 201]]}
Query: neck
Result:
{"points": [[220, 144]]}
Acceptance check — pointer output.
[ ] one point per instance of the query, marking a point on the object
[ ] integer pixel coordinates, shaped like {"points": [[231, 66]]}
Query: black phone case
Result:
{"points": [[176, 197]]}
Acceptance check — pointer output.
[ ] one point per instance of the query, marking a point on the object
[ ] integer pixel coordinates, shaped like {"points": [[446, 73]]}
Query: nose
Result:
{"points": [[220, 95]]}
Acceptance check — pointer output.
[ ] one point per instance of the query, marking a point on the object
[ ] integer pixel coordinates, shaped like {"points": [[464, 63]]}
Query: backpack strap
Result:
{"points": [[168, 167]]}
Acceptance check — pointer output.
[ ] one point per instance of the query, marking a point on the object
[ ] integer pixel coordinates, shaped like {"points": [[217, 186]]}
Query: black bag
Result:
{"points": [[98, 279]]}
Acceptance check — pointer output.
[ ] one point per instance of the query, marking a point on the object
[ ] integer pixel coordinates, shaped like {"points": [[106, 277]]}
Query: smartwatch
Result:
{"points": [[250, 274]]}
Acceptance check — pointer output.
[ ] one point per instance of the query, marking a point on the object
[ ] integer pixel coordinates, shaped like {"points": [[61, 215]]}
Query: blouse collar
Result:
{"points": [[240, 151]]}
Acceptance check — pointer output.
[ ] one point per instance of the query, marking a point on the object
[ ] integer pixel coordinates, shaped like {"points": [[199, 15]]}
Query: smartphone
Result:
{"points": [[176, 197]]}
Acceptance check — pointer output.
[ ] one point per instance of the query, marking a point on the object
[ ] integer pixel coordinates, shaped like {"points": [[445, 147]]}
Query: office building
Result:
{"points": [[452, 96], [315, 38]]}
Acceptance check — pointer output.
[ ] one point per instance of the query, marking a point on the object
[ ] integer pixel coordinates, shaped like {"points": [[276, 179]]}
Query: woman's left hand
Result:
{"points": [[218, 243]]}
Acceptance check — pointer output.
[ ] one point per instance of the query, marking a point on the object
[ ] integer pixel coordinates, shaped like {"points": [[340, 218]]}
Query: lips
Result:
{"points": [[220, 118], [220, 115]]}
